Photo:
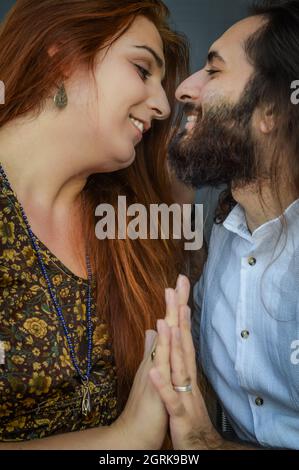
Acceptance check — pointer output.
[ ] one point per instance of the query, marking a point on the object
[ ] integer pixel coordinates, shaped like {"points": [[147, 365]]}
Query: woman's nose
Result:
{"points": [[160, 106]]}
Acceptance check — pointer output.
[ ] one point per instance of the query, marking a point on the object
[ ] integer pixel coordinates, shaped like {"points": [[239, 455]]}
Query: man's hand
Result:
{"points": [[176, 298], [175, 365]]}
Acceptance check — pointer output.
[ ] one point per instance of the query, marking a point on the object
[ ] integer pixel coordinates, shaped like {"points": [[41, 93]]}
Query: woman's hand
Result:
{"points": [[175, 365], [144, 421]]}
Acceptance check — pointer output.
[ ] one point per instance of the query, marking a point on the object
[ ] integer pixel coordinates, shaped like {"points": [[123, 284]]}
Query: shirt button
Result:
{"points": [[259, 401], [251, 261], [245, 334]]}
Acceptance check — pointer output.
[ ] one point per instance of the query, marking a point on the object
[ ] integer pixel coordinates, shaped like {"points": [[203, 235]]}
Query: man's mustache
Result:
{"points": [[190, 108]]}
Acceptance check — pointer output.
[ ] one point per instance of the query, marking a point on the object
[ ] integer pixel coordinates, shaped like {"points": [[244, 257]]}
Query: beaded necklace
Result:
{"points": [[86, 400]]}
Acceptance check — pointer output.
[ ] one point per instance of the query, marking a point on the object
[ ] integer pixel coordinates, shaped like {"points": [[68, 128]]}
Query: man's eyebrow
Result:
{"points": [[214, 55], [158, 60]]}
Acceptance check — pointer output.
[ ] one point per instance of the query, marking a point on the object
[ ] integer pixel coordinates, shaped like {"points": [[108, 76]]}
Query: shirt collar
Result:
{"points": [[236, 222]]}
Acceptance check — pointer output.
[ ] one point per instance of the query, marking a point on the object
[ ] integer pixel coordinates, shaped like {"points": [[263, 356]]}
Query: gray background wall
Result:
{"points": [[4, 6], [202, 20]]}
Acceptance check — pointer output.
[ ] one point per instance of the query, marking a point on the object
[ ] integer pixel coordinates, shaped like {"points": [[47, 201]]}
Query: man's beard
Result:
{"points": [[221, 148]]}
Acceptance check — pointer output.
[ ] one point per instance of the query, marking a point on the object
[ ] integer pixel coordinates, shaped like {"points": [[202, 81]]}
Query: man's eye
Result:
{"points": [[211, 71], [144, 74]]}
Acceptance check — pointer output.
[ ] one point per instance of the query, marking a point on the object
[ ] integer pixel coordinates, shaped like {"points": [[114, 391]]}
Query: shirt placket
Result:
{"points": [[243, 364], [246, 327]]}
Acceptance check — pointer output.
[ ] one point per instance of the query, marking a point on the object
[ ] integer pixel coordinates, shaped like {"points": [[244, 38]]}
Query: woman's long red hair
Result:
{"points": [[131, 275]]}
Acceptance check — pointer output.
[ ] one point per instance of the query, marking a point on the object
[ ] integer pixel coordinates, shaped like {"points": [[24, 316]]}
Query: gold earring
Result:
{"points": [[60, 99]]}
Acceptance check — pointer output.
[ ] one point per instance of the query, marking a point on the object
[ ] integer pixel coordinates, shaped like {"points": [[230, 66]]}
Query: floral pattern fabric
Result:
{"points": [[40, 393]]}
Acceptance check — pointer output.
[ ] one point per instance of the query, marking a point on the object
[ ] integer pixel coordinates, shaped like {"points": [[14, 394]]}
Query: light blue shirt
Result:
{"points": [[246, 326]]}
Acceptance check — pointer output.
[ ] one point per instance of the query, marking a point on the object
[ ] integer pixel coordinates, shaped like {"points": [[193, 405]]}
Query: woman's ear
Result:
{"points": [[52, 50]]}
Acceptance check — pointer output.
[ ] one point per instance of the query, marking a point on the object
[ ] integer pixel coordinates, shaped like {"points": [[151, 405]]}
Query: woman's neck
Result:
{"points": [[41, 166], [42, 169]]}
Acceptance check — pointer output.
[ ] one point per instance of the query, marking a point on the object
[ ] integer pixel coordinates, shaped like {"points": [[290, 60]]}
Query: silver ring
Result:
{"points": [[186, 388]]}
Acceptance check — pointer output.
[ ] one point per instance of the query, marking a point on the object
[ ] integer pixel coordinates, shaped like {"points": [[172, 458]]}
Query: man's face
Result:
{"points": [[217, 145]]}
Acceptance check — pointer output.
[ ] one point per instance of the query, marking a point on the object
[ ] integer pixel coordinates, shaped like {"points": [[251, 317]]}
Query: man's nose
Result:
{"points": [[189, 91]]}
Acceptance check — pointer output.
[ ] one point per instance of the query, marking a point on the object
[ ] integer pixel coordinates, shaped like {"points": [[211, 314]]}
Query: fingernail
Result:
{"points": [[180, 281]]}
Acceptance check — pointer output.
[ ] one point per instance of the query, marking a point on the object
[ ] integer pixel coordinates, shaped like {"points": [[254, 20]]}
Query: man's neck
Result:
{"points": [[262, 206]]}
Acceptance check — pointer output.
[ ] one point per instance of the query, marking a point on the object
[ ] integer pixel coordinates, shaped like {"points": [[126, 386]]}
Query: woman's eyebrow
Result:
{"points": [[158, 60]]}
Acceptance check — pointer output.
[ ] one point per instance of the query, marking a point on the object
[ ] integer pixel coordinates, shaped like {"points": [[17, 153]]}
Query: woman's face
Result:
{"points": [[107, 119]]}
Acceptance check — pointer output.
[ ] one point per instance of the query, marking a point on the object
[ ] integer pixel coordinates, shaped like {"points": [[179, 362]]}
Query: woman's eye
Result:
{"points": [[144, 74], [211, 71]]}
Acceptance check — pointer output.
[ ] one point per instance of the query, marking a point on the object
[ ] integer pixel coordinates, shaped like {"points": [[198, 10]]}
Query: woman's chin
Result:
{"points": [[128, 160], [116, 163]]}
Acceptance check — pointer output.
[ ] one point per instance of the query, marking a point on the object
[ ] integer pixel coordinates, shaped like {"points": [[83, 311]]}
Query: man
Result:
{"points": [[242, 131]]}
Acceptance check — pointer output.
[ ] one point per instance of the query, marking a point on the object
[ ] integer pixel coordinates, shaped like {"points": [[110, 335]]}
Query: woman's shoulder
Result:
{"points": [[7, 201], [9, 219], [14, 241]]}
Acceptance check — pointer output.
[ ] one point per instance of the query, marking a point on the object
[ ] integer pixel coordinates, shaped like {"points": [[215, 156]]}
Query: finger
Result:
{"points": [[183, 289], [179, 374], [173, 404], [162, 350], [150, 338], [187, 343], [172, 307]]}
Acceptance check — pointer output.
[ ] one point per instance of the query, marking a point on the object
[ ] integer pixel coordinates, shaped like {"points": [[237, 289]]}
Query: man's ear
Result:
{"points": [[266, 119]]}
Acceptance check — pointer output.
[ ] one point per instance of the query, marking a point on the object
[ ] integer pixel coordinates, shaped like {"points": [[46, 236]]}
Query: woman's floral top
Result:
{"points": [[40, 394]]}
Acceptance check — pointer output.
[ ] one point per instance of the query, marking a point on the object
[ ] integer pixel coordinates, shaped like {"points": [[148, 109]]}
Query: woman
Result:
{"points": [[89, 91]]}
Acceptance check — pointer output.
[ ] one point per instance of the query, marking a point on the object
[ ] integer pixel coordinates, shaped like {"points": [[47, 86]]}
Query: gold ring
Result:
{"points": [[153, 354]]}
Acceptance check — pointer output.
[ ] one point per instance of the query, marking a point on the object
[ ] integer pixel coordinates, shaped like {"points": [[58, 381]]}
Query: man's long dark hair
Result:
{"points": [[274, 53]]}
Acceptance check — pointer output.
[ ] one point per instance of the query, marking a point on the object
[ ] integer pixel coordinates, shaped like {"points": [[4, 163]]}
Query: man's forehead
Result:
{"points": [[235, 37]]}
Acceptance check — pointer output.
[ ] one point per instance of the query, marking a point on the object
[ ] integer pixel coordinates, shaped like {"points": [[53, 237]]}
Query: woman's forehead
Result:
{"points": [[143, 31]]}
